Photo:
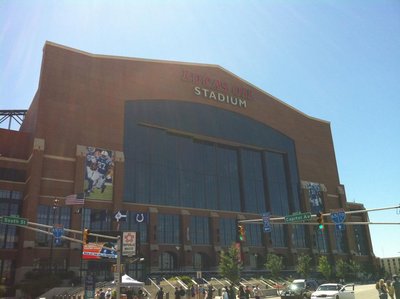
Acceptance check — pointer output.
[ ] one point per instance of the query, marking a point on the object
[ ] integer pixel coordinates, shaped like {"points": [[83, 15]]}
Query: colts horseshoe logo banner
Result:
{"points": [[141, 217]]}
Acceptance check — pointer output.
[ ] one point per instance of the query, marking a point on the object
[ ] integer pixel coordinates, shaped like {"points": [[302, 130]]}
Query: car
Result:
{"points": [[334, 291], [300, 289]]}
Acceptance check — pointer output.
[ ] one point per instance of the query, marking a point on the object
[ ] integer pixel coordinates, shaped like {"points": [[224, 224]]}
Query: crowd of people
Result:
{"points": [[389, 289], [386, 290], [207, 292], [131, 293]]}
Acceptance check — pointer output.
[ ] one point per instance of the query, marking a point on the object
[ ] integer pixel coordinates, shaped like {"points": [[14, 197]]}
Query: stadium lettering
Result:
{"points": [[220, 97], [216, 85]]}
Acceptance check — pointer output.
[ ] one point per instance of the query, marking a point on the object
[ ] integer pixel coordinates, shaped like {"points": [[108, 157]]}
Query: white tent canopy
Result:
{"points": [[127, 281]]}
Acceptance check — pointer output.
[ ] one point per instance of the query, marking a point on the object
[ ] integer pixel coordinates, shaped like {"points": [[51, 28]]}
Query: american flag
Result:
{"points": [[75, 199]]}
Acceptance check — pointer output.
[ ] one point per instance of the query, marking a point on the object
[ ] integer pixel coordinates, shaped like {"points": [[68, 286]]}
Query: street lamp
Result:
{"points": [[131, 260]]}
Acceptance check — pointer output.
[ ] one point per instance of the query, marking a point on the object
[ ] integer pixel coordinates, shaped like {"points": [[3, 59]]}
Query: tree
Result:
{"points": [[303, 266], [274, 263], [324, 267], [230, 265], [354, 268], [341, 269]]}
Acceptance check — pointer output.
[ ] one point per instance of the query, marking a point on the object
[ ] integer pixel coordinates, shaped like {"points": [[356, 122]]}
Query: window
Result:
{"points": [[166, 262], [199, 230], [320, 240], [298, 236], [360, 240], [49, 215], [184, 154], [253, 235], [340, 239], [278, 194], [10, 204], [227, 228], [97, 220], [253, 181], [168, 229]]}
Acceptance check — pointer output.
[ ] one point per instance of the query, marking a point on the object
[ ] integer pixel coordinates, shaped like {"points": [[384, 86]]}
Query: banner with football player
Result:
{"points": [[315, 197], [99, 170]]}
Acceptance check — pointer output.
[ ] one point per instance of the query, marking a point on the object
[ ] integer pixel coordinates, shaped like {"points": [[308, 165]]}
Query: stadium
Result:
{"points": [[178, 153]]}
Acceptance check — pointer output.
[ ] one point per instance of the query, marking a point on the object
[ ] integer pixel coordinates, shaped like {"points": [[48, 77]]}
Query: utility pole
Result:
{"points": [[118, 280], [55, 207]]}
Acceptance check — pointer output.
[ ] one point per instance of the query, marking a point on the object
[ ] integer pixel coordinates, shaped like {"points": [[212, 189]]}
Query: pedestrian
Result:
{"points": [[102, 294], [390, 289], [224, 294], [210, 291], [247, 292], [241, 294], [177, 294], [140, 294], [108, 293], [232, 292], [396, 286], [382, 290], [202, 291], [192, 291], [256, 292], [160, 293], [182, 292]]}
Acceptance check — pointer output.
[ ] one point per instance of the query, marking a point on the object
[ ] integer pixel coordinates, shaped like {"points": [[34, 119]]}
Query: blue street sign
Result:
{"points": [[338, 218], [58, 232], [266, 223]]}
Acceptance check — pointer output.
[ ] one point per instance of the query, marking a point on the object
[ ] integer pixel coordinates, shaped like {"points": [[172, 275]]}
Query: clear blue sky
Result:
{"points": [[334, 60]]}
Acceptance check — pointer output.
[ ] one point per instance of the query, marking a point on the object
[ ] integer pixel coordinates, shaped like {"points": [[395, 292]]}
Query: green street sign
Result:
{"points": [[13, 220], [298, 217]]}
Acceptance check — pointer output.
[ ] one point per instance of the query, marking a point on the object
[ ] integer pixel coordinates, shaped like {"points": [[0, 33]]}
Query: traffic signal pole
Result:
{"points": [[46, 229], [281, 219]]}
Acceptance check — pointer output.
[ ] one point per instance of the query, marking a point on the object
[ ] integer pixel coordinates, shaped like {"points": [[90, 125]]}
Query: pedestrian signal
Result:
{"points": [[320, 220]]}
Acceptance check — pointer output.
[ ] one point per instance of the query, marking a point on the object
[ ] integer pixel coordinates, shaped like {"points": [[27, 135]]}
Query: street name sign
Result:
{"points": [[14, 220], [298, 217]]}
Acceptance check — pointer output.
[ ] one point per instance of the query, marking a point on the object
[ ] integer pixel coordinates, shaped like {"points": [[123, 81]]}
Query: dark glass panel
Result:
{"points": [[227, 227]]}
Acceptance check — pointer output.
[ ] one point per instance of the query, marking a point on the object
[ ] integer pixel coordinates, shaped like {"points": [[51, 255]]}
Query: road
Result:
{"points": [[361, 291]]}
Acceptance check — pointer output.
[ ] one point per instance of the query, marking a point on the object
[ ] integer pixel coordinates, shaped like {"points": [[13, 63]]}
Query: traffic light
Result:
{"points": [[241, 233], [320, 220], [85, 236]]}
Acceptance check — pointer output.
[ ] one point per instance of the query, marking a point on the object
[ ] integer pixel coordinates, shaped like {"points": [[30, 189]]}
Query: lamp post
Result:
{"points": [[56, 202]]}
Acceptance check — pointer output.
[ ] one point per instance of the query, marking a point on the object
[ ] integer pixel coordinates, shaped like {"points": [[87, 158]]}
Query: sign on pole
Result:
{"points": [[14, 220], [298, 217], [129, 243], [90, 286], [58, 232], [266, 223], [338, 217]]}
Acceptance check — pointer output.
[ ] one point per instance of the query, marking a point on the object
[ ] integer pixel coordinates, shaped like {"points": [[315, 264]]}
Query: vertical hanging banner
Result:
{"points": [[99, 173], [266, 223], [315, 197], [129, 243]]}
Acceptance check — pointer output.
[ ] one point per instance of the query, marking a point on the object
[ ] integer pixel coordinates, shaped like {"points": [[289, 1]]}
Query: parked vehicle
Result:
{"points": [[334, 291], [300, 289]]}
